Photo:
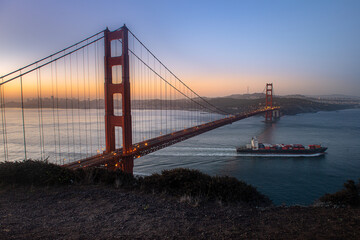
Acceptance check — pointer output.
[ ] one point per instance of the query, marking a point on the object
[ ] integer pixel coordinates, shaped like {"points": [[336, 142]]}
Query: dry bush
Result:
{"points": [[185, 182], [348, 196]]}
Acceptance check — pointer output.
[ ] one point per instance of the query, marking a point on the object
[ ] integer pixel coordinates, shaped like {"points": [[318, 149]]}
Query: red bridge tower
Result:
{"points": [[112, 121], [269, 102]]}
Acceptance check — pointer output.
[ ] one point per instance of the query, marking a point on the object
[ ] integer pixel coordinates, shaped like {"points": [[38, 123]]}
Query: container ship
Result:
{"points": [[280, 150]]}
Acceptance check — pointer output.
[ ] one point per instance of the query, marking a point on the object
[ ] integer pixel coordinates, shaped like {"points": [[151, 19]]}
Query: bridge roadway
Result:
{"points": [[111, 160]]}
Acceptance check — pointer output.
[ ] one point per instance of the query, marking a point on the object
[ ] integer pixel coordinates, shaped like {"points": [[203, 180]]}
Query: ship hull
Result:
{"points": [[282, 153]]}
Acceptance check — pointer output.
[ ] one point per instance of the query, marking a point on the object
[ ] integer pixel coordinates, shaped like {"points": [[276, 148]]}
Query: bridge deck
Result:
{"points": [[154, 144]]}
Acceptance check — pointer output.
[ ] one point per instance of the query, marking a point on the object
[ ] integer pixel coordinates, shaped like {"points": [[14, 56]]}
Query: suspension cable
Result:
{"points": [[51, 61], [176, 76], [167, 81], [52, 54]]}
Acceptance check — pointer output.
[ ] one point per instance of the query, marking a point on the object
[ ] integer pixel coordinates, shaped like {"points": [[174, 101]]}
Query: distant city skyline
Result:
{"points": [[218, 48]]}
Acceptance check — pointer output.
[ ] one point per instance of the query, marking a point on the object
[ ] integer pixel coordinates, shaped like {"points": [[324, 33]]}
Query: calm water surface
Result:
{"points": [[284, 180]]}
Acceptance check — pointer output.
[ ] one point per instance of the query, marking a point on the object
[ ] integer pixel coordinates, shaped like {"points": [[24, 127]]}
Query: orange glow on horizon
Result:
{"points": [[213, 85]]}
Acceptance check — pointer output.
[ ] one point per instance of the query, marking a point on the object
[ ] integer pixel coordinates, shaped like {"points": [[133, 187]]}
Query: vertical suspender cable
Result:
{"points": [[23, 115], [142, 98], [84, 80], [78, 104], [38, 110], [148, 99], [3, 121], [41, 114], [166, 104], [57, 110], [96, 97], [88, 68], [161, 104], [72, 109], [66, 109], [135, 94], [53, 111]]}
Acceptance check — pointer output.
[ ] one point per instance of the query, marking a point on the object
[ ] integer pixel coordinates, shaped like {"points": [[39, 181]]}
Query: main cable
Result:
{"points": [[167, 81], [52, 55], [51, 61], [175, 75]]}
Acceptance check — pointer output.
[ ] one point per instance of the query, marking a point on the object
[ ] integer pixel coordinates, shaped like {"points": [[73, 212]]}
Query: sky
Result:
{"points": [[218, 48]]}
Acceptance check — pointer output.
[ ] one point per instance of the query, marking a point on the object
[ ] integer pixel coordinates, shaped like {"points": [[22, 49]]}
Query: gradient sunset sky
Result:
{"points": [[217, 47]]}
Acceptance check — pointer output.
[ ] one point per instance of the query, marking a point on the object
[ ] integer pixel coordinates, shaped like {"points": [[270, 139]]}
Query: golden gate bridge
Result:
{"points": [[54, 108]]}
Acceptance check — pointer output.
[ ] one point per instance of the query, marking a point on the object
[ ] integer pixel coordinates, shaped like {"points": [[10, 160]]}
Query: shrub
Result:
{"points": [[178, 182], [38, 173], [229, 189], [42, 173], [348, 196], [185, 182]]}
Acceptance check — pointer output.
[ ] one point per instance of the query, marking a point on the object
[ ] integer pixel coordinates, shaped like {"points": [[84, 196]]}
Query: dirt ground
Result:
{"points": [[98, 212]]}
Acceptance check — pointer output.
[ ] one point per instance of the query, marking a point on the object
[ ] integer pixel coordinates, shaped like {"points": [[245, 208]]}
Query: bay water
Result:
{"points": [[286, 180], [289, 180]]}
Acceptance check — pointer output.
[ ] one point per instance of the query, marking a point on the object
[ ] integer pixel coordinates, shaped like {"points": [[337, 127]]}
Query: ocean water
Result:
{"points": [[286, 180], [70, 135]]}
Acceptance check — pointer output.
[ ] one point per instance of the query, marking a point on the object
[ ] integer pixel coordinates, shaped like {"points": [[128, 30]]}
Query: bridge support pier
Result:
{"points": [[276, 114], [127, 164], [123, 88]]}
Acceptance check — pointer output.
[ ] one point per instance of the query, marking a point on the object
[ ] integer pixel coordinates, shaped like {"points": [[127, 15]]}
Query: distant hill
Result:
{"points": [[294, 96], [317, 97], [289, 105], [334, 97], [246, 96], [236, 103]]}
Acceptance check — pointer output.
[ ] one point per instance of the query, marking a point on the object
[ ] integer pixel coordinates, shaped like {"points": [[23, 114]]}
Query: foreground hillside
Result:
{"points": [[98, 212], [43, 201]]}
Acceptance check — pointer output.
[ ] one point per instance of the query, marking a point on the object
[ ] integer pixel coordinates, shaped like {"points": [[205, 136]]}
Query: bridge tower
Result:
{"points": [[269, 102], [123, 88]]}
